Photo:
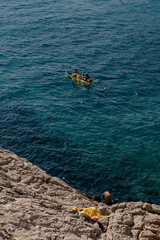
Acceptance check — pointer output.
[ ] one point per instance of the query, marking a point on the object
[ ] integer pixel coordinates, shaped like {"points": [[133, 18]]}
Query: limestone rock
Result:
{"points": [[36, 206]]}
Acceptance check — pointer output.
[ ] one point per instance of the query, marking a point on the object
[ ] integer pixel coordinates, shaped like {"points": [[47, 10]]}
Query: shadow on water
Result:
{"points": [[20, 128], [58, 155], [61, 157]]}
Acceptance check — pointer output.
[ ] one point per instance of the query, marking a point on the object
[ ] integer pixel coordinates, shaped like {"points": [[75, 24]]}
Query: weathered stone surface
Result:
{"points": [[36, 206], [138, 222], [147, 207]]}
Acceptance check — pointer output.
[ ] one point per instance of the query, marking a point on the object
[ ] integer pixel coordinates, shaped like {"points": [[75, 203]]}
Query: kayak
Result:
{"points": [[69, 75]]}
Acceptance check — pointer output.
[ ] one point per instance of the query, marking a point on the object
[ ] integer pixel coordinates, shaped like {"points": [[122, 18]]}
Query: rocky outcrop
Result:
{"points": [[36, 206]]}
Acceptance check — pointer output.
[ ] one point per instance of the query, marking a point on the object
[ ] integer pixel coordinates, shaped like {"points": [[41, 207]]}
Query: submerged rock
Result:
{"points": [[34, 206]]}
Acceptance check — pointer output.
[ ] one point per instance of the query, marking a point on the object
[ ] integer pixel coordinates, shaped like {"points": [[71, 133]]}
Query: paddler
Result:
{"points": [[87, 78], [75, 73]]}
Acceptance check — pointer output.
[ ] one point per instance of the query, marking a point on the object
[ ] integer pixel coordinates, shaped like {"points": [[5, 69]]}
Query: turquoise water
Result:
{"points": [[93, 137]]}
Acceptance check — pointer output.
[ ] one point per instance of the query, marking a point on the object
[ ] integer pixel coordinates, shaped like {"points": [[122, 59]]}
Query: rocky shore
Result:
{"points": [[36, 206]]}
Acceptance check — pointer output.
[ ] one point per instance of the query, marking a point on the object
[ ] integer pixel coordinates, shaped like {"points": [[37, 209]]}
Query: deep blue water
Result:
{"points": [[93, 137]]}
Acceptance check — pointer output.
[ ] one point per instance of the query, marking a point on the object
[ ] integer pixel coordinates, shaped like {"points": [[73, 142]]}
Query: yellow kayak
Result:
{"points": [[69, 75]]}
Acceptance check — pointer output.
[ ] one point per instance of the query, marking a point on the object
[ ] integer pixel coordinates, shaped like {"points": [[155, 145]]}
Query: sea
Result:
{"points": [[96, 136]]}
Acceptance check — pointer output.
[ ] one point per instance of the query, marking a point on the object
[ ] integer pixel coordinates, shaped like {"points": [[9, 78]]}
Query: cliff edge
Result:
{"points": [[36, 206]]}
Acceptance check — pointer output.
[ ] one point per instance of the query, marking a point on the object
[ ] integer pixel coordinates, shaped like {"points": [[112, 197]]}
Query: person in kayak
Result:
{"points": [[87, 78], [75, 73], [107, 197]]}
